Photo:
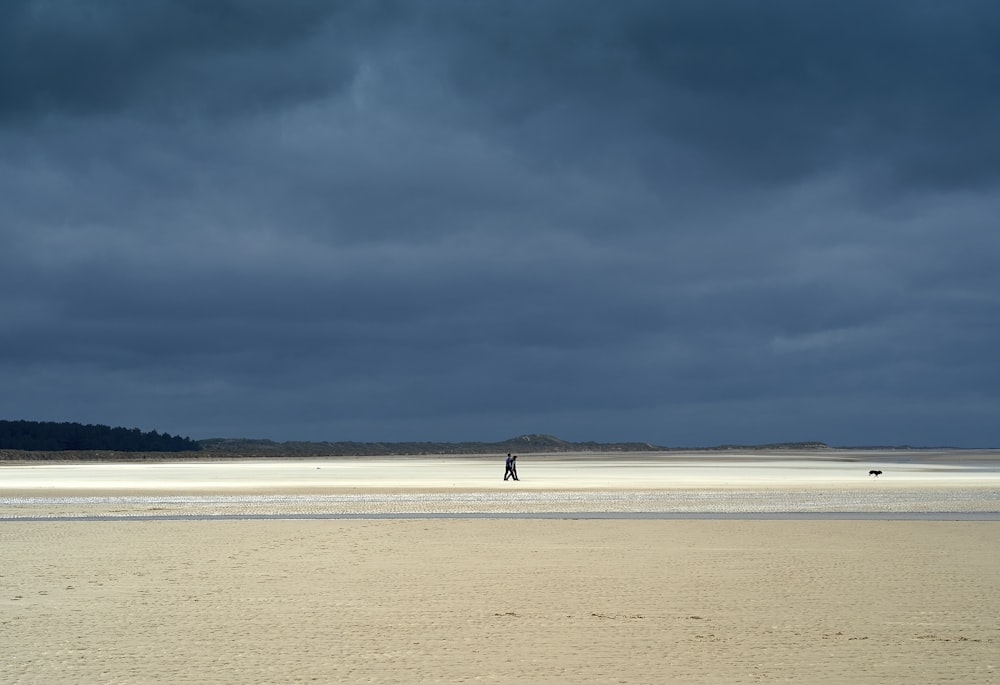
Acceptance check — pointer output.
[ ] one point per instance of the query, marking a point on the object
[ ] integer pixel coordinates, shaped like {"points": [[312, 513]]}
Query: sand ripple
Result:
{"points": [[732, 501]]}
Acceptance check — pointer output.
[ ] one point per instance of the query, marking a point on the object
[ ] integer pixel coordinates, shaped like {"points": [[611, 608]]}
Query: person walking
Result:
{"points": [[513, 467], [507, 467]]}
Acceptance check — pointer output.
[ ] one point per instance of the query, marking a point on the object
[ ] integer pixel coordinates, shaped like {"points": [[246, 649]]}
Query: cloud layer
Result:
{"points": [[463, 220]]}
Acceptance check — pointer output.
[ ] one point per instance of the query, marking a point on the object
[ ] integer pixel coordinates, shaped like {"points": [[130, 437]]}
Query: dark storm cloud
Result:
{"points": [[430, 220], [775, 88], [89, 58]]}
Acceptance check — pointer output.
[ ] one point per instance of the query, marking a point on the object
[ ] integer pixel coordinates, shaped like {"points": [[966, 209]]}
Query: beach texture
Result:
{"points": [[542, 601], [201, 573]]}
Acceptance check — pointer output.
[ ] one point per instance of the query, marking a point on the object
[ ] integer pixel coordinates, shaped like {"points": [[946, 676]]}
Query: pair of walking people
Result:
{"points": [[510, 467]]}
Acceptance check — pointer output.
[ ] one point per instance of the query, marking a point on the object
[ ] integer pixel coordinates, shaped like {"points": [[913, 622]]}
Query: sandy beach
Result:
{"points": [[201, 572]]}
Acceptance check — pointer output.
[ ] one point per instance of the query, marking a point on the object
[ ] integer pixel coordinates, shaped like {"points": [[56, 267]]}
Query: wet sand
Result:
{"points": [[560, 600], [719, 483], [654, 471]]}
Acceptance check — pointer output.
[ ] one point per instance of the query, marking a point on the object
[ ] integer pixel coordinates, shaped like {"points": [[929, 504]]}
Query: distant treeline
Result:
{"points": [[48, 436]]}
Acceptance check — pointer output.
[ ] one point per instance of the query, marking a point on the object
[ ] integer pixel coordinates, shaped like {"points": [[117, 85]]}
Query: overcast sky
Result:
{"points": [[679, 222]]}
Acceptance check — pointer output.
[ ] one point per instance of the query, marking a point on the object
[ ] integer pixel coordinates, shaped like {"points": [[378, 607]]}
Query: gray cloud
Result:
{"points": [[466, 220], [187, 57]]}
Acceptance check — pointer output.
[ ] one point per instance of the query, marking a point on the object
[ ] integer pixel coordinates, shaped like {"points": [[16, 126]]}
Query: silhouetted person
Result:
{"points": [[513, 467], [508, 467]]}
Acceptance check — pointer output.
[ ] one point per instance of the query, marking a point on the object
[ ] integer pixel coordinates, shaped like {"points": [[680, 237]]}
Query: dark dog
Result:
{"points": [[875, 473]]}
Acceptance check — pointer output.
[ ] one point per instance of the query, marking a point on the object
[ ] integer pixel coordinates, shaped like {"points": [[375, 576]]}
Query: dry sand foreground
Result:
{"points": [[472, 600]]}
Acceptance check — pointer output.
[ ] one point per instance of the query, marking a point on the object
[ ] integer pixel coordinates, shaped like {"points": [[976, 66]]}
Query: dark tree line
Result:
{"points": [[49, 436]]}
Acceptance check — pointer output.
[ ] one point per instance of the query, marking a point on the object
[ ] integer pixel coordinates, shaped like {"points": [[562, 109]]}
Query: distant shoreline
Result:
{"points": [[316, 451]]}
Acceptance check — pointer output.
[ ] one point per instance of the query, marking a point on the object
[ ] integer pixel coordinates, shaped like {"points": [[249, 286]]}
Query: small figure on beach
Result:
{"points": [[513, 467], [875, 473], [506, 467]]}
